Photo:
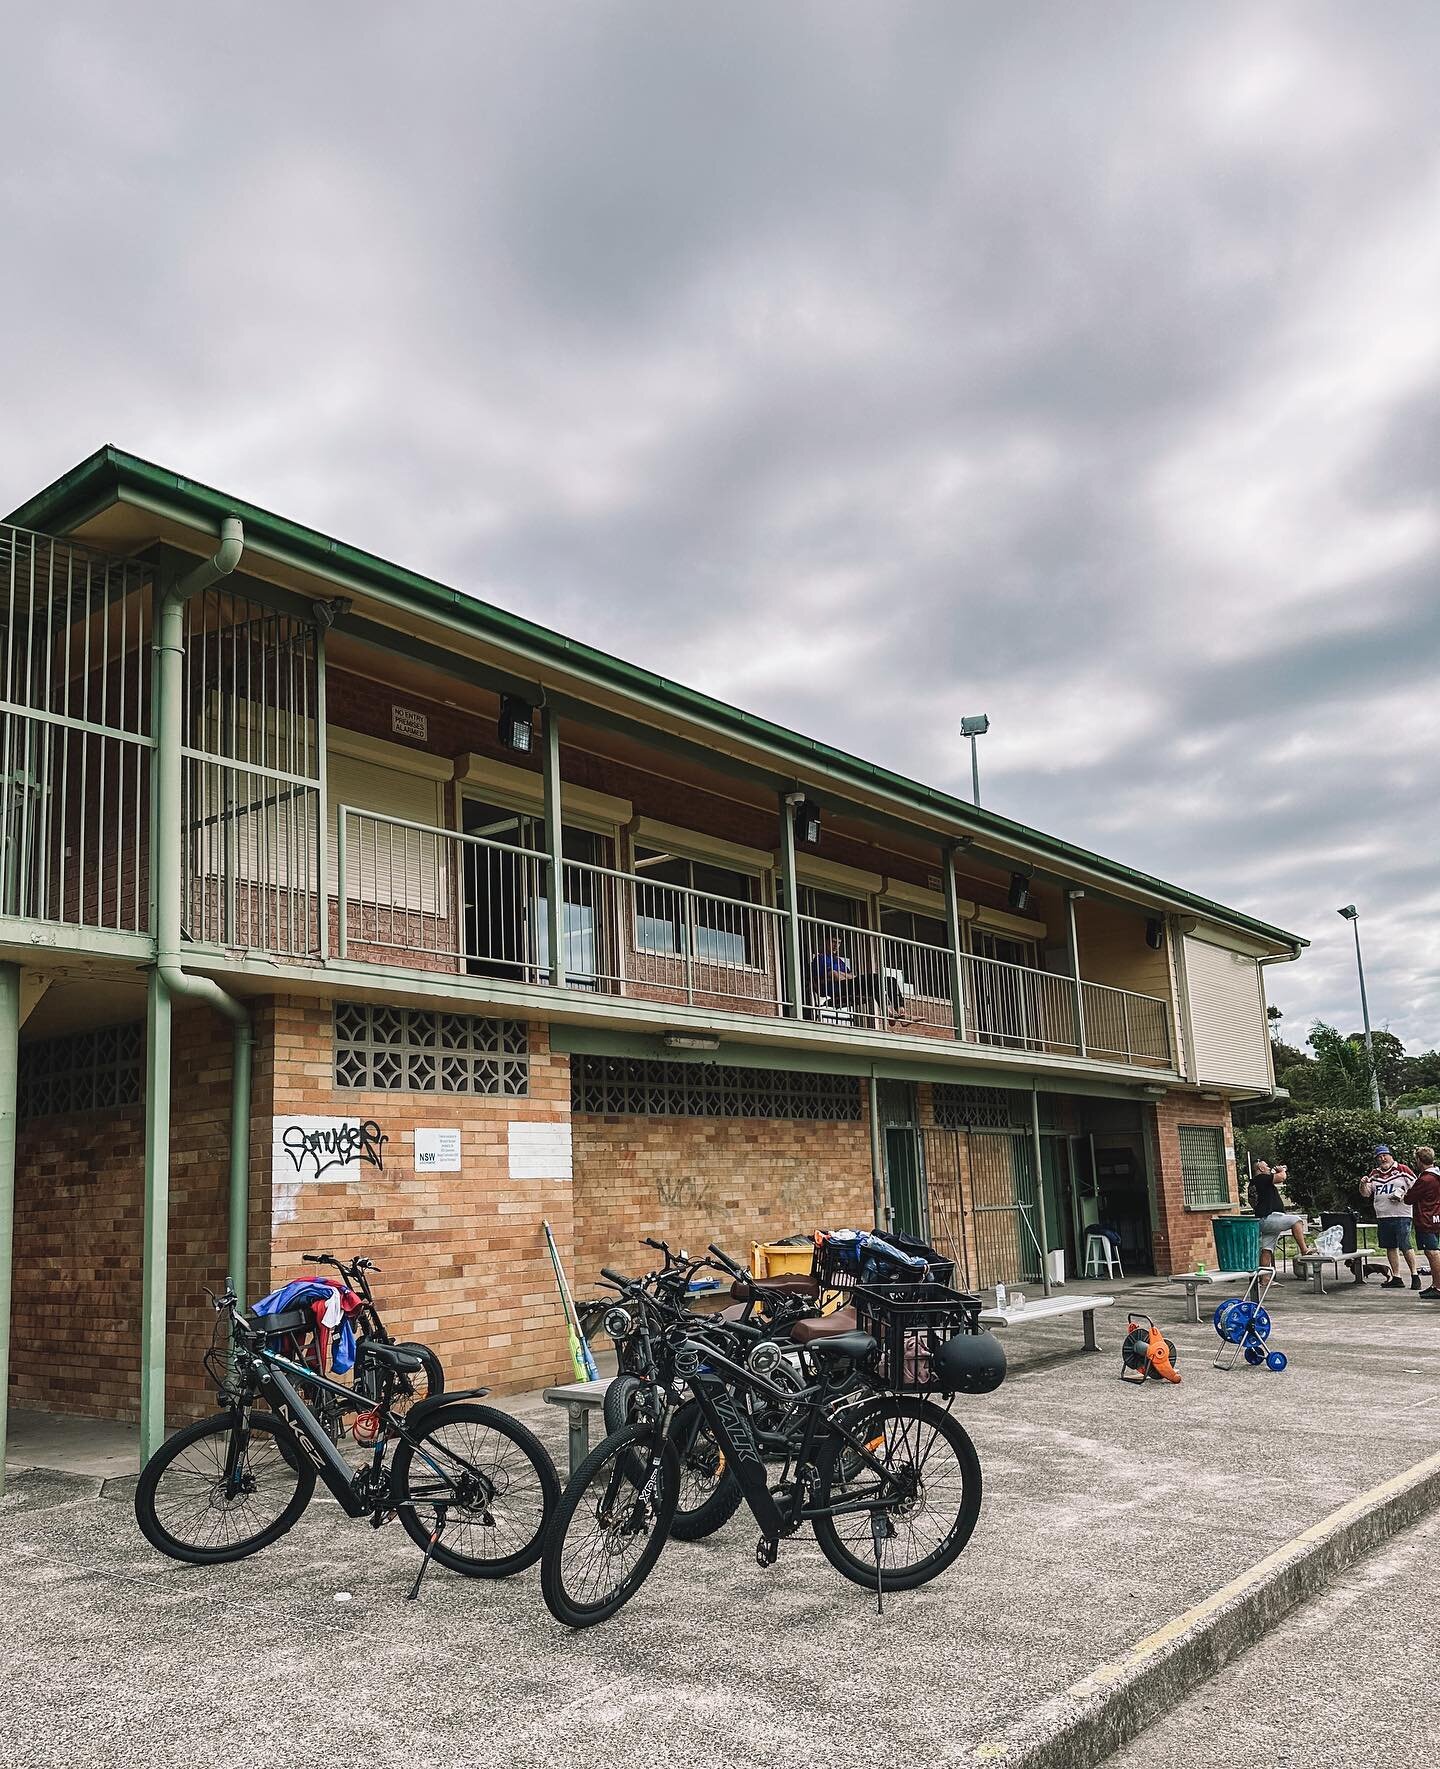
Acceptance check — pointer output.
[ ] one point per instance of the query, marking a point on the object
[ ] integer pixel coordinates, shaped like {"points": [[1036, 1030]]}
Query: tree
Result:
{"points": [[1420, 1071], [1390, 1061], [1342, 1079], [1330, 1150]]}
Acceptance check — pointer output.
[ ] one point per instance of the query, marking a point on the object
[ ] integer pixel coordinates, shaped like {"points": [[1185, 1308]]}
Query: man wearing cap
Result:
{"points": [[1386, 1185]]}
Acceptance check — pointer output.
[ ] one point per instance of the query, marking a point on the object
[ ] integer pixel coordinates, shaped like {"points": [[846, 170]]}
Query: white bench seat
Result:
{"points": [[579, 1400], [1192, 1280], [1050, 1308]]}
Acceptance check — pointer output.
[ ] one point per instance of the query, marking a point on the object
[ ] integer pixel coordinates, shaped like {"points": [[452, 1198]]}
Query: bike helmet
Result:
{"points": [[971, 1363]]}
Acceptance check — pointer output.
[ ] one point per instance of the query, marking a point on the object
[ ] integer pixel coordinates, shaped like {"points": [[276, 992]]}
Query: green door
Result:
{"points": [[902, 1169]]}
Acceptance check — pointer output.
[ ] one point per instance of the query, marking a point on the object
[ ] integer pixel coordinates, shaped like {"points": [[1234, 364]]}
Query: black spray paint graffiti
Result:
{"points": [[335, 1146]]}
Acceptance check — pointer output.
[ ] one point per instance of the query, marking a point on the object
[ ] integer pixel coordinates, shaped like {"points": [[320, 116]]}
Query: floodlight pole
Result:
{"points": [[1352, 915], [974, 769]]}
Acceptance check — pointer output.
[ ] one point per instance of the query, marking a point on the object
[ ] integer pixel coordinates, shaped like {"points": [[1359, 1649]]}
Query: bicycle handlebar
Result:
{"points": [[726, 1262]]}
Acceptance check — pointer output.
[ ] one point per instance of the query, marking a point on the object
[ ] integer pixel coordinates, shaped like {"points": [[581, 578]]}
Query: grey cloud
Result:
{"points": [[850, 361]]}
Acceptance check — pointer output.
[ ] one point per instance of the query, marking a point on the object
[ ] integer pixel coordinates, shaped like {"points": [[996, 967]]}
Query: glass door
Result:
{"points": [[507, 896]]}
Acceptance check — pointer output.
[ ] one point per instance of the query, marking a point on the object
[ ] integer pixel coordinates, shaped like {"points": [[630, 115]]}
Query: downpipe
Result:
{"points": [[177, 981]]}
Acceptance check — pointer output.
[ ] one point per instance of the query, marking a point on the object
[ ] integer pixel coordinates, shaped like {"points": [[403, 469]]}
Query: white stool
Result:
{"points": [[1101, 1250]]}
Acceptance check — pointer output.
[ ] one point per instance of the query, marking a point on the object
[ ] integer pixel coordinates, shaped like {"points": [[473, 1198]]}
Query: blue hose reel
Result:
{"points": [[1245, 1324]]}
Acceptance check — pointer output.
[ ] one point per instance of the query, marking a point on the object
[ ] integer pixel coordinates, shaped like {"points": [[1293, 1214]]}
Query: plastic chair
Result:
{"points": [[1100, 1251]]}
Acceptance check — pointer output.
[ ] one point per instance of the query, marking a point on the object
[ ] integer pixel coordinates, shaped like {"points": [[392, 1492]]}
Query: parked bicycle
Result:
{"points": [[410, 1387], [888, 1479], [470, 1485]]}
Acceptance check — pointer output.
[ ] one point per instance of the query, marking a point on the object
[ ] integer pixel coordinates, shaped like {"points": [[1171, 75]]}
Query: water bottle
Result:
{"points": [[999, 1296]]}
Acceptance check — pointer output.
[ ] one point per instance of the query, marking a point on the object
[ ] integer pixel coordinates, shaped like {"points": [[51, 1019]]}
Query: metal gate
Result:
{"points": [[983, 1205]]}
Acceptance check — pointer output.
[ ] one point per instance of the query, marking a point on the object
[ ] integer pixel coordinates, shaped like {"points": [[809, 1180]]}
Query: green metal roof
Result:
{"points": [[109, 474]]}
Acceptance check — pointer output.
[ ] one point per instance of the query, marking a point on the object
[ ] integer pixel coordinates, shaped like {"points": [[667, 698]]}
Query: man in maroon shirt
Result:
{"points": [[1424, 1201]]}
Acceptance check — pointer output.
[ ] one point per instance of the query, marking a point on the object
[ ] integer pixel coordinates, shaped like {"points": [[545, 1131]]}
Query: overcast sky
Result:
{"points": [[865, 365]]}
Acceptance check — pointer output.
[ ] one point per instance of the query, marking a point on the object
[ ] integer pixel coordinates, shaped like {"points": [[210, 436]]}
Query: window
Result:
{"points": [[631, 1086], [86, 1072], [385, 862], [1004, 948], [722, 928], [1202, 1167], [918, 946], [413, 1050]]}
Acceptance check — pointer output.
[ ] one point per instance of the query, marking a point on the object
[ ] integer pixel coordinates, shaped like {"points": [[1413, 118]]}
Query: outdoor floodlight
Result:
{"points": [[974, 727], [807, 823], [517, 729], [1019, 898], [1350, 912]]}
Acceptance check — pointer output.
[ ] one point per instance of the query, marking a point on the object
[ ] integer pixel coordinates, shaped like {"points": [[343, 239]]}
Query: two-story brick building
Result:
{"points": [[338, 907]]}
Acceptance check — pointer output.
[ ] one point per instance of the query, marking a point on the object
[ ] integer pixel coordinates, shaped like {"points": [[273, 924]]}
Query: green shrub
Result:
{"points": [[1330, 1150]]}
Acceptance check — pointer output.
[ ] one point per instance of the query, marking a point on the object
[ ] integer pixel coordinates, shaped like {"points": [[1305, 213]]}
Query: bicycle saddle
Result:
{"points": [[819, 1327], [852, 1348], [392, 1357]]}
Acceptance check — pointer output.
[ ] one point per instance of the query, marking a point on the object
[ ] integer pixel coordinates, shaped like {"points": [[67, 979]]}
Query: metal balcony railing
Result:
{"points": [[438, 899], [75, 743]]}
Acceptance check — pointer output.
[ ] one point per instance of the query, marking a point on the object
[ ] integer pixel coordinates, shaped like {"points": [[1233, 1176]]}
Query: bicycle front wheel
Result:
{"points": [[487, 1478], [611, 1524], [218, 1490], [709, 1493], [912, 1521]]}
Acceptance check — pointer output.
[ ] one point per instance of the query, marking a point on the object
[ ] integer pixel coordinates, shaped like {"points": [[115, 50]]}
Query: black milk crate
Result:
{"points": [[910, 1323], [836, 1266]]}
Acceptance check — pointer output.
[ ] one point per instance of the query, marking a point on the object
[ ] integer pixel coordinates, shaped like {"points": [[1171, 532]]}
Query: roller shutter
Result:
{"points": [[1227, 1016]]}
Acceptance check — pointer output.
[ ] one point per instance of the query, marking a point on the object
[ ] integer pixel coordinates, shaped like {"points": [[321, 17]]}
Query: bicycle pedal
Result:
{"points": [[767, 1551]]}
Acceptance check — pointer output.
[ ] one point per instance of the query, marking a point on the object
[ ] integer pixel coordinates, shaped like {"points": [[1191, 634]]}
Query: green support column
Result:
{"points": [[555, 848], [1037, 1156], [242, 1050], [794, 979], [9, 1066], [952, 931], [877, 1160], [156, 1230]]}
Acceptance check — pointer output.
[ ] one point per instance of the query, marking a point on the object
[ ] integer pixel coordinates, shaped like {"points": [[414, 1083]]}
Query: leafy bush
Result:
{"points": [[1330, 1150]]}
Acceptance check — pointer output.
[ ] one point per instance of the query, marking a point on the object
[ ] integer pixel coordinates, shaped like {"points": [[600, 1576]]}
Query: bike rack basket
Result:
{"points": [[910, 1323]]}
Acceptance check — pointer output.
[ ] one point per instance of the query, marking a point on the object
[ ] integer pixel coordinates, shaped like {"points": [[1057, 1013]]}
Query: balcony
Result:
{"points": [[437, 900]]}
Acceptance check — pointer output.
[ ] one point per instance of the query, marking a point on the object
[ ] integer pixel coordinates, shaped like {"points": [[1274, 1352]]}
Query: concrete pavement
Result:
{"points": [[1347, 1680], [1108, 1511]]}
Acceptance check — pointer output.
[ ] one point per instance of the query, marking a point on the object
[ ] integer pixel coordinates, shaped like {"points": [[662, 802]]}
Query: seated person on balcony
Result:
{"points": [[834, 980], [1276, 1216]]}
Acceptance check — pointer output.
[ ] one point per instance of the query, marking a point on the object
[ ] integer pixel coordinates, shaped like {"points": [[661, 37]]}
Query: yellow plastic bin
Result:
{"points": [[776, 1262]]}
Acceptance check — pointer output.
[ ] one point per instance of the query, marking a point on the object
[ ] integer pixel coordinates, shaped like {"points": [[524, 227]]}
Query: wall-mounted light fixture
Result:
{"points": [[517, 725], [1019, 897], [1154, 933], [807, 822]]}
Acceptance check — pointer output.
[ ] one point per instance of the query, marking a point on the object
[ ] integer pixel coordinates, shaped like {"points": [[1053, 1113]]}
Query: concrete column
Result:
{"points": [[9, 1083]]}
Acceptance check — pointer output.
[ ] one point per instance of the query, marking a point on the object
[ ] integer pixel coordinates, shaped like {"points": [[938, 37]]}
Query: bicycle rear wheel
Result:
{"points": [[611, 1524], [217, 1491], [932, 1472], [491, 1479]]}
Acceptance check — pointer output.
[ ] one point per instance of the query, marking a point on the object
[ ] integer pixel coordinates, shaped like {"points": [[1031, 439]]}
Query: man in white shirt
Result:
{"points": [[1386, 1185]]}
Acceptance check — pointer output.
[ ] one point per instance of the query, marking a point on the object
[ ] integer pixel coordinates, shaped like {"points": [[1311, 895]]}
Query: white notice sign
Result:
{"points": [[540, 1151], [437, 1151]]}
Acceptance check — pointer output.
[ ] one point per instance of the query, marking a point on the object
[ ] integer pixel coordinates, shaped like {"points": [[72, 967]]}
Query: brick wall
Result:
{"points": [[690, 1181], [463, 1256], [79, 1210], [1182, 1237]]}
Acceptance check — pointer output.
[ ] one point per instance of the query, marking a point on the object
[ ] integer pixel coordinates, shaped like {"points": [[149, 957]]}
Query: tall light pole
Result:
{"points": [[973, 728], [1352, 915]]}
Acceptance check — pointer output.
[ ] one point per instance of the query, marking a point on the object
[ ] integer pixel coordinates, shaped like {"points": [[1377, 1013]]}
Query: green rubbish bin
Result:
{"points": [[1237, 1242]]}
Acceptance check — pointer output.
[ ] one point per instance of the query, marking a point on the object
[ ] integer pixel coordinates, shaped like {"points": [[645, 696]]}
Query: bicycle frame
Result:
{"points": [[745, 1458]]}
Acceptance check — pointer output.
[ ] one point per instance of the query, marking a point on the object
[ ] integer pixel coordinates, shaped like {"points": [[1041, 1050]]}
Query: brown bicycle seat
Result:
{"points": [[824, 1326]]}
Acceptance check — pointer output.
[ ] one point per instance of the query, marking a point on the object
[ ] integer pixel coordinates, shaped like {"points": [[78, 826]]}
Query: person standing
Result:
{"points": [[1424, 1201], [1386, 1185], [1276, 1216]]}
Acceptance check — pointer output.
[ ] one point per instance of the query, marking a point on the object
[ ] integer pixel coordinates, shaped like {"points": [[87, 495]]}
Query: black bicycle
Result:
{"points": [[889, 1481], [471, 1486], [408, 1386]]}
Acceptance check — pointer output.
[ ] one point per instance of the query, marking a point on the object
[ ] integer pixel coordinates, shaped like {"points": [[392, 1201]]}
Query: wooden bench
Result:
{"points": [[1192, 1280], [1050, 1308], [580, 1400]]}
